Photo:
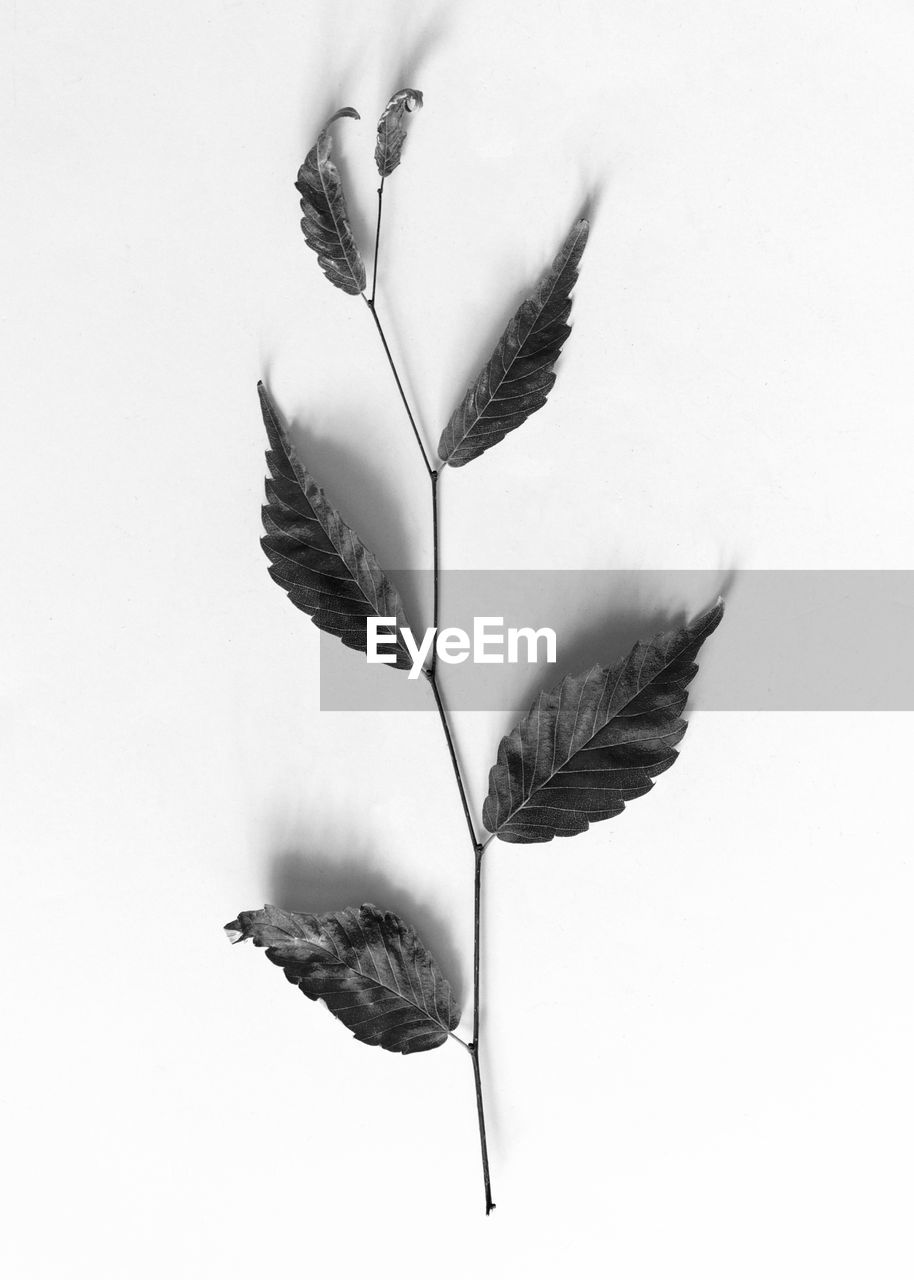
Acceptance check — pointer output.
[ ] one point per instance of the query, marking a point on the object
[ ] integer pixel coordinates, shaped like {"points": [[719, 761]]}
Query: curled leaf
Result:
{"points": [[519, 374], [392, 130], [596, 740], [324, 566], [368, 966], [326, 220]]}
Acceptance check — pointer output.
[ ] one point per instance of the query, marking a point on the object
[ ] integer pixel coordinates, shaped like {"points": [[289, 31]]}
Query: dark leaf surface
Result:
{"points": [[368, 966], [392, 130], [325, 220], [596, 740], [519, 375], [323, 565]]}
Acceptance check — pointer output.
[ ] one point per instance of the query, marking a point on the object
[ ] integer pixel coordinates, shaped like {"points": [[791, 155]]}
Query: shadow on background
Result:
{"points": [[415, 50], [603, 631]]}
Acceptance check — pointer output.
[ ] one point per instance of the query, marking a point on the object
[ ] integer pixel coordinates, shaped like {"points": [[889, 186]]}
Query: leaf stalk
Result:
{"points": [[474, 1044], [377, 245], [433, 661]]}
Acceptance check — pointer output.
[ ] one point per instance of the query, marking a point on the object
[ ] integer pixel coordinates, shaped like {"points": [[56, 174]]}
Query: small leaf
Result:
{"points": [[596, 740], [368, 966], [324, 566], [392, 130], [326, 220], [518, 376]]}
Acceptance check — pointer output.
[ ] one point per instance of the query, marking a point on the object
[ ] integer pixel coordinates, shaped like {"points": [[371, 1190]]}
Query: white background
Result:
{"points": [[698, 1016]]}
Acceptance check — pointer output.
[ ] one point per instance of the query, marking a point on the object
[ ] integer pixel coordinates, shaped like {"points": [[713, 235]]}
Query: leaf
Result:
{"points": [[368, 966], [326, 220], [324, 566], [596, 740], [518, 377], [392, 130]]}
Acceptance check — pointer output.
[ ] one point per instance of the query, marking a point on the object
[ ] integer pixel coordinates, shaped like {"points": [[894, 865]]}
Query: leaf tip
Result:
{"points": [[233, 931], [708, 622], [347, 112], [717, 609]]}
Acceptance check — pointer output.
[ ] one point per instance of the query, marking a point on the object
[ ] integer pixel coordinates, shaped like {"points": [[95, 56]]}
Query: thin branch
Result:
{"points": [[478, 850], [430, 673], [433, 661], [393, 368], [455, 764], [490, 1203], [377, 245]]}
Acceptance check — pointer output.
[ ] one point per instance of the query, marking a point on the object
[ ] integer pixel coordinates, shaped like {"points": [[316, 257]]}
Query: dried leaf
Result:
{"points": [[392, 130], [519, 375], [326, 220], [368, 966], [596, 740], [323, 565]]}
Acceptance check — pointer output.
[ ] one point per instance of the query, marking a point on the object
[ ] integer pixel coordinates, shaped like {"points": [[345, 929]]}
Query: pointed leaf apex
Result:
{"points": [[709, 620], [349, 112]]}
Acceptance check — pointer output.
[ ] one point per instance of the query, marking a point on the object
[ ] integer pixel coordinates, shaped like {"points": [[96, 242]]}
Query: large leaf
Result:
{"points": [[392, 130], [519, 375], [596, 740], [368, 966], [323, 565], [326, 221]]}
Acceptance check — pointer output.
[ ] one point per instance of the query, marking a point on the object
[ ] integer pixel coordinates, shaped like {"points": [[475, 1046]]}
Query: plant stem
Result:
{"points": [[430, 673], [372, 307], [478, 850], [377, 243], [433, 661], [474, 1044], [477, 911], [393, 368], [455, 764]]}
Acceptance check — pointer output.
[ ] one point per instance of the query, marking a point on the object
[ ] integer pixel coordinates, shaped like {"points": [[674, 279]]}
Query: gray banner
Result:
{"points": [[791, 640]]}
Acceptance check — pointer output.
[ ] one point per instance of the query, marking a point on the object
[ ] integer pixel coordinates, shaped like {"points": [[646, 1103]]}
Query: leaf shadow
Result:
{"points": [[415, 54], [356, 489], [608, 629], [324, 873], [593, 190]]}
